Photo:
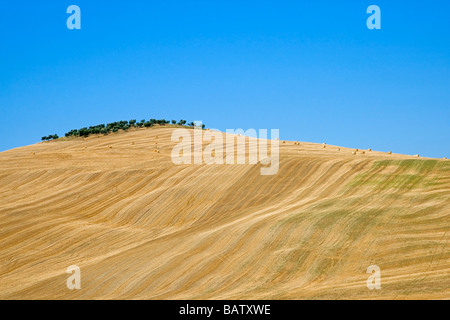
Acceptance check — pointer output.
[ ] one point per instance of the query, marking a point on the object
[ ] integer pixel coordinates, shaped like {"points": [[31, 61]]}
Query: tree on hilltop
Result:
{"points": [[116, 126]]}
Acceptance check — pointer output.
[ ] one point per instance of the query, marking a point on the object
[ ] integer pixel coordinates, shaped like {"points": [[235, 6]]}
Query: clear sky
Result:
{"points": [[309, 68]]}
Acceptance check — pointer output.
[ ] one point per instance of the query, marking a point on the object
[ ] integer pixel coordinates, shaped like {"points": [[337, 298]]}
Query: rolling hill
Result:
{"points": [[141, 227]]}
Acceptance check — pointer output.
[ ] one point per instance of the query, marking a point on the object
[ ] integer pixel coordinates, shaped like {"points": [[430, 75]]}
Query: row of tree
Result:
{"points": [[50, 137], [120, 125]]}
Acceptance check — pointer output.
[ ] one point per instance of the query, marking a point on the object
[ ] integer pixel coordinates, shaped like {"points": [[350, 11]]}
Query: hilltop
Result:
{"points": [[141, 227]]}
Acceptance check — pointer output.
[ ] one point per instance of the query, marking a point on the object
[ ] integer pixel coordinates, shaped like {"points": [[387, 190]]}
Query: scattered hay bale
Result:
{"points": [[132, 143], [363, 152], [354, 153], [390, 152], [156, 151], [110, 147], [84, 147], [445, 158], [356, 150], [324, 146], [284, 141], [338, 149], [417, 155], [369, 149]]}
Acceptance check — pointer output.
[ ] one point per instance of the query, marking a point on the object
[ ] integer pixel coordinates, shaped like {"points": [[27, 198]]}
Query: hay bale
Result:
{"points": [[390, 152], [324, 146], [369, 149], [445, 158], [338, 149], [353, 153], [417, 156], [363, 152], [132, 143]]}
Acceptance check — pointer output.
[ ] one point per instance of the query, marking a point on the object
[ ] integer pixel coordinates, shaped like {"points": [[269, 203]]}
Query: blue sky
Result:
{"points": [[309, 68]]}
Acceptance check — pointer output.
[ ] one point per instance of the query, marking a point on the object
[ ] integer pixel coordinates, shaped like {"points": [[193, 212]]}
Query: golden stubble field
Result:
{"points": [[140, 227]]}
